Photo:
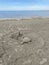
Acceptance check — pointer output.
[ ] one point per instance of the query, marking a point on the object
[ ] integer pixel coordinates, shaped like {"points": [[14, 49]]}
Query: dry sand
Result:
{"points": [[24, 41]]}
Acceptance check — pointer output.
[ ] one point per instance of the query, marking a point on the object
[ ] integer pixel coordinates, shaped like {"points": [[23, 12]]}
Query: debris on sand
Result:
{"points": [[1, 35], [1, 62], [16, 35], [1, 52]]}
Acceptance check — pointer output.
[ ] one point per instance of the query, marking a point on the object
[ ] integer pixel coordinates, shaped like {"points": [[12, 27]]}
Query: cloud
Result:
{"points": [[32, 7]]}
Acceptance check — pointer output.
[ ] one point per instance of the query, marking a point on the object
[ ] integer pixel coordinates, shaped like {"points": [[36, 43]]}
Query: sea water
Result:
{"points": [[18, 14]]}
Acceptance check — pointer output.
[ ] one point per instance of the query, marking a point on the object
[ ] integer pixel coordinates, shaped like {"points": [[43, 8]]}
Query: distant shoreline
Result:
{"points": [[35, 17]]}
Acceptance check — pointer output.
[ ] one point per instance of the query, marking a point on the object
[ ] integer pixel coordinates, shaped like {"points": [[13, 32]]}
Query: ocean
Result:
{"points": [[18, 14]]}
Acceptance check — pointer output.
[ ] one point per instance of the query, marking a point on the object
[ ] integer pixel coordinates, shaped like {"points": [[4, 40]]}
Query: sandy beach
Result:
{"points": [[24, 41]]}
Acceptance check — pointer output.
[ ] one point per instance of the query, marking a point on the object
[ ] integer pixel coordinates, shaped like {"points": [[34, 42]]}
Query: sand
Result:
{"points": [[24, 41]]}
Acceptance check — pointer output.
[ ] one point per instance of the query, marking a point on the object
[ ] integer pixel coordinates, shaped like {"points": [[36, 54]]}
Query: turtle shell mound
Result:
{"points": [[20, 48]]}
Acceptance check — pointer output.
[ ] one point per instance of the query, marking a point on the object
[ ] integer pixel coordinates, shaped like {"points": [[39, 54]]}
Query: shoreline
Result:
{"points": [[23, 18]]}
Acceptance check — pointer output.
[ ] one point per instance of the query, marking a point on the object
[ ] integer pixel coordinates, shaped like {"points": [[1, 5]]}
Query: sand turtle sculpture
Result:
{"points": [[24, 45]]}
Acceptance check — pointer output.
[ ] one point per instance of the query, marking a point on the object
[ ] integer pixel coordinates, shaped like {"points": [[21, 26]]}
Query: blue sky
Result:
{"points": [[24, 4]]}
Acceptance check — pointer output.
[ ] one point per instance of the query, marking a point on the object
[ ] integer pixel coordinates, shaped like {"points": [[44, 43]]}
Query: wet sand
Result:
{"points": [[24, 41]]}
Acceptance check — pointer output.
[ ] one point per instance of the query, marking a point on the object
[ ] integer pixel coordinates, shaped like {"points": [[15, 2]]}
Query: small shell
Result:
{"points": [[43, 61]]}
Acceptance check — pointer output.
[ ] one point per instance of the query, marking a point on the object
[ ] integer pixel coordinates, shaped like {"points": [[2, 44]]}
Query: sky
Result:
{"points": [[24, 5]]}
